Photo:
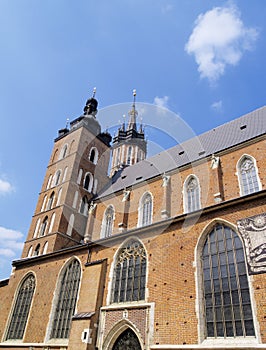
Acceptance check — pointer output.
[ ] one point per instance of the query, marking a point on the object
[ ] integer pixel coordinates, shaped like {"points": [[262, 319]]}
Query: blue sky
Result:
{"points": [[203, 60]]}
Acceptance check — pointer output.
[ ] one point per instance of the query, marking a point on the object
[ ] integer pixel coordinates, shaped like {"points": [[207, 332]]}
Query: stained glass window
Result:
{"points": [[67, 299], [228, 310], [22, 307], [130, 273], [248, 176]]}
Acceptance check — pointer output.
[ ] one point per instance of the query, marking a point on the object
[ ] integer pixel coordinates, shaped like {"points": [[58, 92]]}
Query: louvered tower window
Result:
{"points": [[226, 291], [130, 273], [67, 299], [21, 310]]}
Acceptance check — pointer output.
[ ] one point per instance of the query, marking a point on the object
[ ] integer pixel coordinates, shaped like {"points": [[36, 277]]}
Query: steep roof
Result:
{"points": [[223, 137]]}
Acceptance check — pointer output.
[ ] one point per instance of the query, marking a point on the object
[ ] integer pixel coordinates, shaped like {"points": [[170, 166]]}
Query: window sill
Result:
{"points": [[238, 342]]}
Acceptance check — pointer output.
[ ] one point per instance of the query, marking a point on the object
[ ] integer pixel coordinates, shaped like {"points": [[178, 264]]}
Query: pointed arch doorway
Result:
{"points": [[127, 341]]}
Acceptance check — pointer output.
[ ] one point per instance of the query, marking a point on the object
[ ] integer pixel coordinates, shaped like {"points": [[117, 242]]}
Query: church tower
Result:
{"points": [[77, 170], [129, 145]]}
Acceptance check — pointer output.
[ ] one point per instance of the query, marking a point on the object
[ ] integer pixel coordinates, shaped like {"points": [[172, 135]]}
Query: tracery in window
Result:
{"points": [[21, 310], [66, 303], [248, 176], [145, 210], [192, 194], [227, 306], [108, 222], [127, 340], [130, 273]]}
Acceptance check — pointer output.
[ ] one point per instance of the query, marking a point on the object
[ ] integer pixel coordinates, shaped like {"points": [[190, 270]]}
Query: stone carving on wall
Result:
{"points": [[253, 232]]}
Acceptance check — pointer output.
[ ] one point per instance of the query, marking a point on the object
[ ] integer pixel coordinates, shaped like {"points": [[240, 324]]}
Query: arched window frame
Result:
{"points": [[191, 200], [37, 250], [203, 336], [22, 306], [145, 210], [70, 225], [56, 178], [59, 197], [49, 181], [50, 201], [129, 154], [88, 181], [44, 203], [30, 252], [84, 206], [37, 227], [65, 174], [65, 300], [94, 155], [43, 226], [51, 223], [79, 176], [130, 254], [108, 222], [45, 247], [63, 151], [248, 182]]}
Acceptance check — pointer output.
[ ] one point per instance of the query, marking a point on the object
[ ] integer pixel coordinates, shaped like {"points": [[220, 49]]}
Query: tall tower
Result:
{"points": [[76, 171], [129, 145]]}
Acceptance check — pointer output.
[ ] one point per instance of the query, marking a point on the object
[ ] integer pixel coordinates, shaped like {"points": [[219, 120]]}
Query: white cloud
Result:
{"points": [[11, 243], [167, 8], [219, 39], [5, 187], [217, 106], [161, 101]]}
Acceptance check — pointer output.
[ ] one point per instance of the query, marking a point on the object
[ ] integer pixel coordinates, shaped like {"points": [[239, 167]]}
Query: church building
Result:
{"points": [[126, 252]]}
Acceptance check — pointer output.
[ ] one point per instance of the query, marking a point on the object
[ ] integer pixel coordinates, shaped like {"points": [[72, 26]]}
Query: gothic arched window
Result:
{"points": [[50, 201], [67, 298], [21, 310], [129, 153], [63, 152], [127, 340], [84, 206], [192, 194], [130, 273], [248, 176], [227, 306], [88, 182], [94, 155], [43, 226], [145, 210], [108, 222]]}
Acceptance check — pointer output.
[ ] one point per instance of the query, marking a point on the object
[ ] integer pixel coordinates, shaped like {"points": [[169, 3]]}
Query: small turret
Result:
{"points": [[129, 144]]}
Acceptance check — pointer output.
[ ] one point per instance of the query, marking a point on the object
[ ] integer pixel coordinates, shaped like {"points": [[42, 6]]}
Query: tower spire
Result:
{"points": [[91, 105], [132, 125]]}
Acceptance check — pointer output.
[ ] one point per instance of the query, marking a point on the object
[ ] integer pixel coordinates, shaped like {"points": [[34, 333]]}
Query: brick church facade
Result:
{"points": [[167, 253]]}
